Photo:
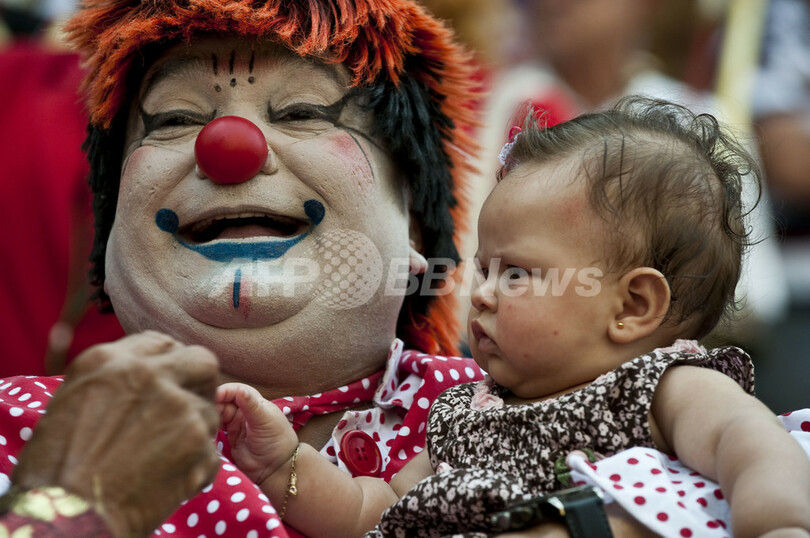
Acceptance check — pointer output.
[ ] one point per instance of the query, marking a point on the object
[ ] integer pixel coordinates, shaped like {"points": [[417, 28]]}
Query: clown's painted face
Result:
{"points": [[285, 275]]}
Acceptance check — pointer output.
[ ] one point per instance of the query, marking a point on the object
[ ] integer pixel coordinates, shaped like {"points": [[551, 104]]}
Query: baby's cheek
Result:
{"points": [[530, 324]]}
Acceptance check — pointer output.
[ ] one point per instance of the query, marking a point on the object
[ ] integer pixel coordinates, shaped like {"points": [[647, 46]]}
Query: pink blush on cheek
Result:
{"points": [[352, 157], [138, 156]]}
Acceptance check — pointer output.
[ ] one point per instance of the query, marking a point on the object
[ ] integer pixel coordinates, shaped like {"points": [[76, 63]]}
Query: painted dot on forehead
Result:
{"points": [[215, 66], [231, 62], [232, 57]]}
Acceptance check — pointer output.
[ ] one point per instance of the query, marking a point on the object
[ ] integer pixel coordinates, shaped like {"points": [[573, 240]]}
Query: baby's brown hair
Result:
{"points": [[668, 185]]}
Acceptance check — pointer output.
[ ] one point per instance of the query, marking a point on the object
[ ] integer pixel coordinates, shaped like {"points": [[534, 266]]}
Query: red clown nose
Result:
{"points": [[230, 150]]}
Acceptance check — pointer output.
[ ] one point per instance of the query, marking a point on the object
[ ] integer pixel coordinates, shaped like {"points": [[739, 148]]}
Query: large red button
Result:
{"points": [[360, 454]]}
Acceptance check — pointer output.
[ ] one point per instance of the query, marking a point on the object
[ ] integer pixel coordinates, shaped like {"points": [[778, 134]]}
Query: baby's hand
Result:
{"points": [[261, 437]]}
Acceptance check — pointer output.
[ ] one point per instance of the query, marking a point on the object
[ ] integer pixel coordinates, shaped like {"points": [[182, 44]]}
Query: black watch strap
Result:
{"points": [[581, 509], [585, 515]]}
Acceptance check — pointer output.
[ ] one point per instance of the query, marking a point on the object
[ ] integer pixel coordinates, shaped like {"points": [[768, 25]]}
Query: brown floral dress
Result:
{"points": [[500, 456]]}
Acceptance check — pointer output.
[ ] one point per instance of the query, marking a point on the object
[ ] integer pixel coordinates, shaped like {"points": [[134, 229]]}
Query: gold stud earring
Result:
{"points": [[620, 325]]}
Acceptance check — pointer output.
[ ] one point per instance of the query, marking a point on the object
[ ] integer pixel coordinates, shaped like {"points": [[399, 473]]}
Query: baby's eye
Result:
{"points": [[513, 279], [515, 273]]}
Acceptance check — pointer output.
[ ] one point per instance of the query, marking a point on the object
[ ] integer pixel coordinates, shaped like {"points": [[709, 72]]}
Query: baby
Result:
{"points": [[610, 245]]}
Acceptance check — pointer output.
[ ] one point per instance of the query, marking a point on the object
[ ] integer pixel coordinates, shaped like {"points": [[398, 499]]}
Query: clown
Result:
{"points": [[368, 140], [276, 184], [274, 196]]}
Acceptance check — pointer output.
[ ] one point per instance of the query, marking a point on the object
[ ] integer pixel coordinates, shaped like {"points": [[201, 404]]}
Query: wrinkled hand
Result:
{"points": [[130, 429]]}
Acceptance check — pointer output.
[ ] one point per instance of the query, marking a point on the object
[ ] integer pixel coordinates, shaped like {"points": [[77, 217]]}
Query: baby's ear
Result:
{"points": [[645, 302]]}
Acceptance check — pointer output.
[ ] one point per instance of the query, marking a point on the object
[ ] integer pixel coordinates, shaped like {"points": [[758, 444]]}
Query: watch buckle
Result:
{"points": [[558, 504]]}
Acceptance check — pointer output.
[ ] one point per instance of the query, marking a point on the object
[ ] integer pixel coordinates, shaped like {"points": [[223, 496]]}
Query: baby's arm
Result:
{"points": [[714, 427], [329, 502]]}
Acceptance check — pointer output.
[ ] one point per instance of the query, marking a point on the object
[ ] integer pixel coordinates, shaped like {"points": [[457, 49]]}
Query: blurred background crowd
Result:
{"points": [[745, 61]]}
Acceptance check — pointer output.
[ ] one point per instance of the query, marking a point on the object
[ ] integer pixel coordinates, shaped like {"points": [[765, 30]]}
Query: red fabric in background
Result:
{"points": [[43, 192], [556, 105]]}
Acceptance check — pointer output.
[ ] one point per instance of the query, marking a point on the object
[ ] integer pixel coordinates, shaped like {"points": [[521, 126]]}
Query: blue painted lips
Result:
{"points": [[167, 220]]}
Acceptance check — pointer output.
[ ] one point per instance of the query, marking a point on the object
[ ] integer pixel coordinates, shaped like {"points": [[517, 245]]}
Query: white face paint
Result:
{"points": [[282, 275]]}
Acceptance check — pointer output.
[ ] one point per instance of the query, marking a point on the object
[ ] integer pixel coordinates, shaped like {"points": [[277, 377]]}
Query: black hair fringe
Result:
{"points": [[104, 149], [410, 121]]}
